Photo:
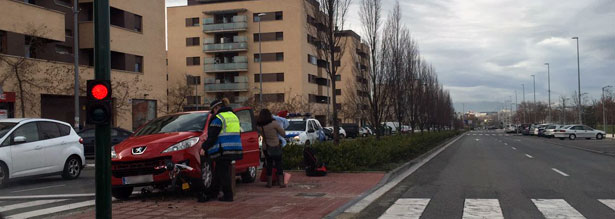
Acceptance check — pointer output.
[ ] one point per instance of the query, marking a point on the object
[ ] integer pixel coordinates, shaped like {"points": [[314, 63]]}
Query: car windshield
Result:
{"points": [[551, 127], [5, 127], [296, 126], [191, 122]]}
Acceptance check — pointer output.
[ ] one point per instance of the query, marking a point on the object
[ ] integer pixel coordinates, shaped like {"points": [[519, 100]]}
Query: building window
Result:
{"points": [[3, 42], [338, 77], [318, 80], [270, 77], [312, 59], [138, 23], [139, 64], [272, 36], [194, 100], [193, 61], [68, 33], [65, 3], [193, 80], [338, 92], [192, 41], [318, 99], [278, 97], [268, 57], [192, 22], [269, 16]]}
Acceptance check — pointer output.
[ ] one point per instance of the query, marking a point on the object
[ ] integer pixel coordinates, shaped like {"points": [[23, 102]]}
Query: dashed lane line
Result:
{"points": [[529, 156], [560, 172]]}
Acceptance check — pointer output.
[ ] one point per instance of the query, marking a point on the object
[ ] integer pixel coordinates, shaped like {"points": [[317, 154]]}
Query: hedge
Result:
{"points": [[365, 154]]}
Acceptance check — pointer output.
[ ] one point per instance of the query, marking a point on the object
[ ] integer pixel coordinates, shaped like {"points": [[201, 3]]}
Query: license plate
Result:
{"points": [[137, 179]]}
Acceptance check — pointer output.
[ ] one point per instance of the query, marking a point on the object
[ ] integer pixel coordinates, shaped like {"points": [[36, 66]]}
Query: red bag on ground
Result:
{"points": [[264, 175]]}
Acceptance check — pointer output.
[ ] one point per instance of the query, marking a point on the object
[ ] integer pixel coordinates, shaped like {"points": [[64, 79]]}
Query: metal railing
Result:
{"points": [[239, 44], [239, 63], [240, 84], [237, 23]]}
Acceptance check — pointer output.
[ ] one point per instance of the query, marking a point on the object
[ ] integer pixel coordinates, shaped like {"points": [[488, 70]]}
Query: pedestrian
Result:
{"points": [[223, 145], [283, 122], [270, 130]]}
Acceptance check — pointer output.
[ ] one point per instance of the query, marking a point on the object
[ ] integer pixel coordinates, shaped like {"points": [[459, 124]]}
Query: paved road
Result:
{"points": [[494, 175], [41, 197]]}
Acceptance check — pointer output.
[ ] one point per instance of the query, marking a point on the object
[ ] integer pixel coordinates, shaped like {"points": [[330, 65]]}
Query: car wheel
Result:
{"points": [[249, 176], [206, 175], [599, 136], [572, 137], [4, 175], [121, 193], [72, 168]]}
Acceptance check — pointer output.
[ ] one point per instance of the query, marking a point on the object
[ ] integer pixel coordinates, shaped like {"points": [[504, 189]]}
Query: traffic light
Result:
{"points": [[99, 102]]}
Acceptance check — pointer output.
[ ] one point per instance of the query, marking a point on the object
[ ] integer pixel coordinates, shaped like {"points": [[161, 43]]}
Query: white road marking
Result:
{"points": [[39, 188], [90, 165], [556, 209], [53, 210], [406, 208], [482, 208], [608, 202], [480, 134], [46, 196], [29, 204], [477, 139], [529, 156], [560, 172], [505, 143], [514, 148]]}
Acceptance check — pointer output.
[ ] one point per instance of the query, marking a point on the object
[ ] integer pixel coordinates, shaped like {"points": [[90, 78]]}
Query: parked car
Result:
{"points": [[148, 156], [352, 130], [36, 147], [304, 131], [510, 129], [364, 132], [342, 131], [117, 135], [392, 127], [370, 130], [573, 132], [551, 129]]}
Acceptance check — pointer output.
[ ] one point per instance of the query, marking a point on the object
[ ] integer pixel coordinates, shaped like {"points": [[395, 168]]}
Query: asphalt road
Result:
{"points": [[494, 175]]}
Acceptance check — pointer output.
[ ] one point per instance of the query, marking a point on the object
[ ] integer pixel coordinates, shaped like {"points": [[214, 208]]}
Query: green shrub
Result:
{"points": [[367, 153]]}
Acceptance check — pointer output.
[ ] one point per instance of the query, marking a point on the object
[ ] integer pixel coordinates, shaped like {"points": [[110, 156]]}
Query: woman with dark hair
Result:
{"points": [[269, 130]]}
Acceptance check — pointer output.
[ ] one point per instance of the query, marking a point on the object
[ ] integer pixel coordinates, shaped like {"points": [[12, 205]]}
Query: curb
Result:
{"points": [[390, 176], [583, 149]]}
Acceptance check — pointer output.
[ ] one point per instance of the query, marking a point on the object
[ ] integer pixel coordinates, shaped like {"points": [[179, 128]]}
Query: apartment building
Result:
{"points": [[216, 47], [38, 35], [352, 90]]}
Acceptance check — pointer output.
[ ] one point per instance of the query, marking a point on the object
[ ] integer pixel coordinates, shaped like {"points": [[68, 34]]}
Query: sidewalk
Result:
{"points": [[305, 197]]}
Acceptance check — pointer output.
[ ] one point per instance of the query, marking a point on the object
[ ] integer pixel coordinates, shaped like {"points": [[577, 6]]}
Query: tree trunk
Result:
{"points": [[21, 91]]}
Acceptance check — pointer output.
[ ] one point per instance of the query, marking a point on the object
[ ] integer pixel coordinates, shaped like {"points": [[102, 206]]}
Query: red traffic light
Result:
{"points": [[100, 91]]}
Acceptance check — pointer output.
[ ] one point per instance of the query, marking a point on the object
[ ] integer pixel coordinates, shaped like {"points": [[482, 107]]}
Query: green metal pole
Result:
{"points": [[102, 71]]}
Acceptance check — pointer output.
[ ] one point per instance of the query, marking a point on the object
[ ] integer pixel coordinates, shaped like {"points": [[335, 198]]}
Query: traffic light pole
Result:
{"points": [[102, 71]]}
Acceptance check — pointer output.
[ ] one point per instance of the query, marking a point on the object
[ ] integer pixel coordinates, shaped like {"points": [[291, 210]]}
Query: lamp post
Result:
{"points": [[549, 82], [579, 81], [534, 107], [523, 85], [260, 59], [76, 61], [604, 108]]}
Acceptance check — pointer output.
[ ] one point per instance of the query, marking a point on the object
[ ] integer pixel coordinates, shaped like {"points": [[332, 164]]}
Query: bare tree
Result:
{"points": [[177, 97], [327, 19]]}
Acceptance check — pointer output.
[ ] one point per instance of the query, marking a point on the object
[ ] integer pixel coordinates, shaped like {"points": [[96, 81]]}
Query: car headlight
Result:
{"points": [[113, 154], [296, 138], [182, 145]]}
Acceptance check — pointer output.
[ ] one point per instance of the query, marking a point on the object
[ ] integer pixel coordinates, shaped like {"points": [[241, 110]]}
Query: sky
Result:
{"points": [[484, 50]]}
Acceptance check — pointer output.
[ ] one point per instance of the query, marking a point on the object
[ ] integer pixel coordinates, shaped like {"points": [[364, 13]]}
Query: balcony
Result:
{"points": [[239, 63], [239, 44], [240, 84], [237, 23]]}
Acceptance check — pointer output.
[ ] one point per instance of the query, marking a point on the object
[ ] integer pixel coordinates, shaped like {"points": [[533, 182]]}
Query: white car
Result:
{"points": [[304, 131], [342, 131], [573, 132], [551, 129], [33, 147], [364, 132]]}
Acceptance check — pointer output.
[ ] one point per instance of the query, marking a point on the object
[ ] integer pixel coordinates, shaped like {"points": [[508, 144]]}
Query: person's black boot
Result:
{"points": [[226, 199]]}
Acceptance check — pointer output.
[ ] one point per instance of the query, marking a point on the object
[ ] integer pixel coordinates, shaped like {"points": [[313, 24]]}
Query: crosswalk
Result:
{"points": [[413, 208], [28, 208]]}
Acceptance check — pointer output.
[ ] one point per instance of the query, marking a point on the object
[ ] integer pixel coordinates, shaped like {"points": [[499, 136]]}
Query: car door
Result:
{"points": [[249, 140], [28, 157], [53, 146], [590, 132]]}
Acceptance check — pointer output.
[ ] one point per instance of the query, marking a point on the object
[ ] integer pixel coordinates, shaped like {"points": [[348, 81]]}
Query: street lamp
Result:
{"points": [[579, 80], [549, 82], [534, 107], [604, 108], [260, 58], [523, 85]]}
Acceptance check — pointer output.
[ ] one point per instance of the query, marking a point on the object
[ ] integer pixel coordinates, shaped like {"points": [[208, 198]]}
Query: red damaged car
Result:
{"points": [[165, 153]]}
